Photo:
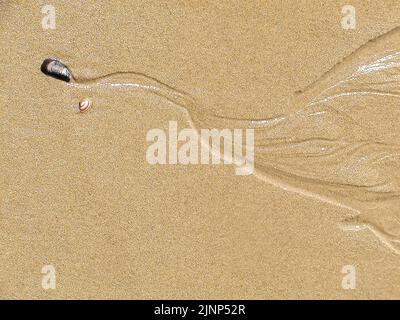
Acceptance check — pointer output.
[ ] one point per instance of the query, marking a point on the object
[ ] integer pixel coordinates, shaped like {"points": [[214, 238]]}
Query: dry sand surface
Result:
{"points": [[77, 191]]}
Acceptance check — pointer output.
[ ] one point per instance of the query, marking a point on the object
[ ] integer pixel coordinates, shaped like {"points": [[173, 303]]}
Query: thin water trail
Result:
{"points": [[341, 146]]}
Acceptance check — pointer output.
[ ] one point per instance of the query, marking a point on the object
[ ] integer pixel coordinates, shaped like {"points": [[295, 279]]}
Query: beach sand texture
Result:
{"points": [[78, 193]]}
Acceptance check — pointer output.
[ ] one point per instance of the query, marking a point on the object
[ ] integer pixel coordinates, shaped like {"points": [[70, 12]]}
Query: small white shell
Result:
{"points": [[84, 104]]}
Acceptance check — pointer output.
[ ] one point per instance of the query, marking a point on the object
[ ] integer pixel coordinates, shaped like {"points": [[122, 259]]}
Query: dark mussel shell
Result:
{"points": [[56, 69]]}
